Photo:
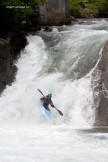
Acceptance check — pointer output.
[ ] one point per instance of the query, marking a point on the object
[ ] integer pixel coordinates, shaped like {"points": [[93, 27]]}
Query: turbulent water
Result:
{"points": [[60, 62]]}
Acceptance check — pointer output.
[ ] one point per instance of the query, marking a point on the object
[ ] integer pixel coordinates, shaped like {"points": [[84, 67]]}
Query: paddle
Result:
{"points": [[59, 111], [54, 106]]}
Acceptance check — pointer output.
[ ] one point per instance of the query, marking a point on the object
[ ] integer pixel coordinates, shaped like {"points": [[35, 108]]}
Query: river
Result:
{"points": [[60, 62]]}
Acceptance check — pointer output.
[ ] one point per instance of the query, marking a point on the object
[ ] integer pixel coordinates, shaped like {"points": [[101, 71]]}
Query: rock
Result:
{"points": [[9, 51], [100, 85], [68, 20], [48, 29], [17, 41], [55, 13], [7, 69]]}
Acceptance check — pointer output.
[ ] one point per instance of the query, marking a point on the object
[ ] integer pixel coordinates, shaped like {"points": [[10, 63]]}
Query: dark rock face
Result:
{"points": [[7, 69], [9, 51], [53, 5], [17, 41], [55, 12], [100, 84]]}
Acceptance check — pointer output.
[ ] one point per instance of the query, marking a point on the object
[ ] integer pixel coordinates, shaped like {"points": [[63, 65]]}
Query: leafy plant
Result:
{"points": [[74, 7], [12, 12], [103, 7]]}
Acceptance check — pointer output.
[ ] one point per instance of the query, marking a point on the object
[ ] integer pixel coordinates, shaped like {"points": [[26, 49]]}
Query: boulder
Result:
{"points": [[55, 13], [100, 86], [48, 29], [9, 51], [17, 41], [7, 69]]}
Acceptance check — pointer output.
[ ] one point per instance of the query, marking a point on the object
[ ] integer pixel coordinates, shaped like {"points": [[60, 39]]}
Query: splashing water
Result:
{"points": [[62, 63]]}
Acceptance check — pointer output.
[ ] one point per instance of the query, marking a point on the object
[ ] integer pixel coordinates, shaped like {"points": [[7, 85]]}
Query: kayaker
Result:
{"points": [[47, 101]]}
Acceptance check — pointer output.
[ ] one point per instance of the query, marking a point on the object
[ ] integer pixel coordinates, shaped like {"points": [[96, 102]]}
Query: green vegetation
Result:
{"points": [[74, 7], [13, 12], [103, 7], [19, 8], [89, 8]]}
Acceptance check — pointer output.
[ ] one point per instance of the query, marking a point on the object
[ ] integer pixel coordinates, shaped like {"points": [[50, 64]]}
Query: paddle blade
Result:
{"points": [[60, 112], [40, 92]]}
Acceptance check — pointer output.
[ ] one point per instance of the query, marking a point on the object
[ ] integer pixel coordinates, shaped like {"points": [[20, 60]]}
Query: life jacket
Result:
{"points": [[47, 101]]}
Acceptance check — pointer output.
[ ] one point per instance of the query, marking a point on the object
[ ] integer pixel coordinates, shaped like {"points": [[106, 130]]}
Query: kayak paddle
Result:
{"points": [[40, 92]]}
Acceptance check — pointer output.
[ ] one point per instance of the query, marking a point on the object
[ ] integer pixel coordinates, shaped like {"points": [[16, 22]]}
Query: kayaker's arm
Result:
{"points": [[42, 98]]}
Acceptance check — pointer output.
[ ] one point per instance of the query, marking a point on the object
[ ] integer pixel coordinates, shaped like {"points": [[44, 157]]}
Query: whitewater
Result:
{"points": [[60, 62]]}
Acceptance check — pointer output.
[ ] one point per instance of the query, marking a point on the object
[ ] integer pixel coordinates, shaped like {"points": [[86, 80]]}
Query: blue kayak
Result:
{"points": [[46, 113]]}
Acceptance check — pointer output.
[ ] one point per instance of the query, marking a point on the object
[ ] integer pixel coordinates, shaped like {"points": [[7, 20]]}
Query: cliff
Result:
{"points": [[100, 86], [9, 51], [55, 13]]}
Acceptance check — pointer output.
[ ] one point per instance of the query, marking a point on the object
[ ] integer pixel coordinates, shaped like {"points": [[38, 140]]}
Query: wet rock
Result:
{"points": [[55, 13], [9, 51], [48, 29], [69, 20], [7, 69], [100, 85], [17, 41]]}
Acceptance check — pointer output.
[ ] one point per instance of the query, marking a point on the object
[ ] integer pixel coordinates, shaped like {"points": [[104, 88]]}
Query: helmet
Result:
{"points": [[49, 95]]}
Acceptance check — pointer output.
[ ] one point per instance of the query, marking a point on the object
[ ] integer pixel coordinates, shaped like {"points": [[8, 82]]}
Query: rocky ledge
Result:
{"points": [[100, 86]]}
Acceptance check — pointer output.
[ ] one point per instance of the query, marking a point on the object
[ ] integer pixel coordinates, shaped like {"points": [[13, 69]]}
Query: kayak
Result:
{"points": [[46, 113]]}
